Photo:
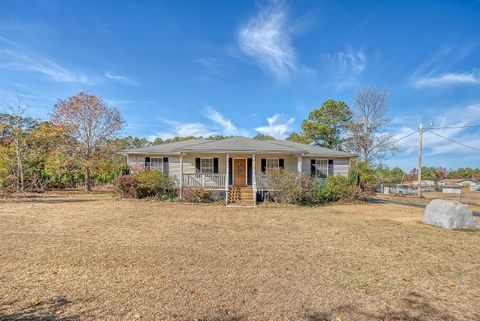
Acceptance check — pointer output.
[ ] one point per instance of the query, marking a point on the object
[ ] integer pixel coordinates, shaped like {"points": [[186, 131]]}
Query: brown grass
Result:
{"points": [[91, 257]]}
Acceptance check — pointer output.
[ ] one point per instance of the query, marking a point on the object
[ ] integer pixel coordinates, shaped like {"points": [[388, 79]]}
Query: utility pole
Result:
{"points": [[419, 171]]}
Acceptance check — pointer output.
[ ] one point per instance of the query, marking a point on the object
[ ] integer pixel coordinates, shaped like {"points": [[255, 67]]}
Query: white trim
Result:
{"points": [[213, 165], [246, 170], [271, 158]]}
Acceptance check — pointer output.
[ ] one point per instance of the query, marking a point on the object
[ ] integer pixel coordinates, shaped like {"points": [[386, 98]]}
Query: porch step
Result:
{"points": [[241, 196]]}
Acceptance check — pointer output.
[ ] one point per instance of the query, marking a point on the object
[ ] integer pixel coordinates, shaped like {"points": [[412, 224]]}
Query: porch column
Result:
{"points": [[254, 181], [299, 163], [181, 175], [227, 174]]}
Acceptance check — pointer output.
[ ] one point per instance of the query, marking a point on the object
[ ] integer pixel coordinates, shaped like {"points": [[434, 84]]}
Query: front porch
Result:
{"points": [[239, 176]]}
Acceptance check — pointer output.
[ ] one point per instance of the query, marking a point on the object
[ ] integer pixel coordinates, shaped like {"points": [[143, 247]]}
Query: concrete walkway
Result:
{"points": [[386, 201]]}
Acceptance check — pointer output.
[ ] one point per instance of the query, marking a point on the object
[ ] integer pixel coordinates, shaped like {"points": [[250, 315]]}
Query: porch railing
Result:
{"points": [[204, 180]]}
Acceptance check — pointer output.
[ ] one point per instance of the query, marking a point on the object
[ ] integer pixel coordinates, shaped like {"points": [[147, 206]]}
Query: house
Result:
{"points": [[235, 167], [459, 183], [424, 183]]}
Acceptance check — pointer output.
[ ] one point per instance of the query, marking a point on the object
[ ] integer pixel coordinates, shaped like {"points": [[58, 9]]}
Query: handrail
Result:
{"points": [[209, 180]]}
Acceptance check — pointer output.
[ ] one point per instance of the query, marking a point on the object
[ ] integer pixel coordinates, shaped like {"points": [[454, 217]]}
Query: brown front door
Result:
{"points": [[240, 172]]}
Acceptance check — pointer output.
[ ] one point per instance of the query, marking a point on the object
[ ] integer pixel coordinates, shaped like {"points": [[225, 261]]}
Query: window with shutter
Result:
{"points": [[206, 165]]}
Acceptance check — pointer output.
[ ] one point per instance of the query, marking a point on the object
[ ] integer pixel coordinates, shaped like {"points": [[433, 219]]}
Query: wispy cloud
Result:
{"points": [[122, 79], [14, 57], [183, 129], [267, 39], [226, 125], [436, 71], [218, 125], [213, 65], [449, 79], [277, 127], [435, 145], [346, 66]]}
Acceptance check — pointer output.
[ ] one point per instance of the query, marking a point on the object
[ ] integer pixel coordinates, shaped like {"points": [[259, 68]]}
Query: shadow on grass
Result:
{"points": [[50, 310], [417, 308]]}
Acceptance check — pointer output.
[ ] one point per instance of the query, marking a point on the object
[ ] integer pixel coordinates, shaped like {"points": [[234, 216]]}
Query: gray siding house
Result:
{"points": [[236, 166]]}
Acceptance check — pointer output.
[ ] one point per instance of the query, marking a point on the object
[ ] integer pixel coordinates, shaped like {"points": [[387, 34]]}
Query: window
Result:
{"points": [[156, 163], [206, 165], [321, 168], [273, 163]]}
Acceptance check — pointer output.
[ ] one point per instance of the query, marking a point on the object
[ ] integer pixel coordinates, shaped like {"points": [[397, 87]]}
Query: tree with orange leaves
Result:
{"points": [[89, 124]]}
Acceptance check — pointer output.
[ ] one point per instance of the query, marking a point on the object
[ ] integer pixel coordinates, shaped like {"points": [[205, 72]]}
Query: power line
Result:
{"points": [[454, 141], [396, 140], [454, 127]]}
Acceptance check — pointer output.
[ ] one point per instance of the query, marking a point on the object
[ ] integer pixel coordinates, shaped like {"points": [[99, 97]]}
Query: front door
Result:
{"points": [[240, 172]]}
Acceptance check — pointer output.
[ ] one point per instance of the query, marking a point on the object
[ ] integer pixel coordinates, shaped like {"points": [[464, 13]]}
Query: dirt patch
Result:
{"points": [[91, 256]]}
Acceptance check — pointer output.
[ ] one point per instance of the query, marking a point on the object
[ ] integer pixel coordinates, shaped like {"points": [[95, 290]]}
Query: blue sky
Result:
{"points": [[243, 67]]}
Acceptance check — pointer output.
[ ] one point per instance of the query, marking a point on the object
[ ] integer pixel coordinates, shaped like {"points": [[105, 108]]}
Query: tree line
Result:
{"points": [[79, 143]]}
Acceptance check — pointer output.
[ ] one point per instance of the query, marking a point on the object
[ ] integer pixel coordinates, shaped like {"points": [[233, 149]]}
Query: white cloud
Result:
{"points": [[435, 145], [226, 126], [267, 39], [120, 78], [346, 66], [436, 70], [449, 79], [276, 127], [219, 126], [184, 129], [12, 56]]}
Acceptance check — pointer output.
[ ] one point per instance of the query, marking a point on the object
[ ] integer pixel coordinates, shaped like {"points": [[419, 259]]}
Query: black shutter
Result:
{"points": [[249, 171], [165, 165], [281, 163], [264, 165], [230, 171], [197, 164], [330, 167], [312, 167], [215, 165], [147, 161]]}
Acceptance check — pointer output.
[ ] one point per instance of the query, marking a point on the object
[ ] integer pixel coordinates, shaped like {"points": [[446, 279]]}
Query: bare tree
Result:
{"points": [[14, 126], [366, 136], [89, 123]]}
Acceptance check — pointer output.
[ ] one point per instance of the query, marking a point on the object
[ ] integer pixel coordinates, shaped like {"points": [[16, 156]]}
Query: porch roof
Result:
{"points": [[239, 144]]}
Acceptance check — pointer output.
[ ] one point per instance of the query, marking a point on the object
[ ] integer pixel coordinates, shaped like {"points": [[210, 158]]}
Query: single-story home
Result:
{"points": [[235, 167], [460, 182]]}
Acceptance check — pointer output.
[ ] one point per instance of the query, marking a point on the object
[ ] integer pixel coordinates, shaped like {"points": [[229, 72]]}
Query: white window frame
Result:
{"points": [[321, 170], [206, 169], [158, 166], [267, 166]]}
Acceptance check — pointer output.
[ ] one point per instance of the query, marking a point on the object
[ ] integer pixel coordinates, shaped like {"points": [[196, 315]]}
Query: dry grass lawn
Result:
{"points": [[86, 257]]}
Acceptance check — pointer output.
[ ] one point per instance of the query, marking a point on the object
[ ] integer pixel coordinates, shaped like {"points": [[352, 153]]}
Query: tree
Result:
{"points": [[299, 138], [366, 130], [325, 125], [89, 123], [263, 137], [14, 128]]}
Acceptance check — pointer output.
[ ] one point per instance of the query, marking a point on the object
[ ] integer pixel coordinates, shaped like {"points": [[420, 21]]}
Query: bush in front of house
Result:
{"points": [[290, 188], [339, 188], [197, 195], [146, 184], [332, 190], [127, 186], [155, 184]]}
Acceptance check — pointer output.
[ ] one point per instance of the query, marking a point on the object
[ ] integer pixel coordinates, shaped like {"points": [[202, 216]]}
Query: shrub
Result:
{"points": [[352, 194], [127, 186], [154, 184], [290, 188], [333, 189], [197, 195]]}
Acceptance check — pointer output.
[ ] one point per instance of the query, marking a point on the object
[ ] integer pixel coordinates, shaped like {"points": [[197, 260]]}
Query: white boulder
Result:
{"points": [[449, 214]]}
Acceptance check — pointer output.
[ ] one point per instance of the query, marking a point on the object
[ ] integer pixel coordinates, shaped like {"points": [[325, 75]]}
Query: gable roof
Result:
{"points": [[239, 144]]}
